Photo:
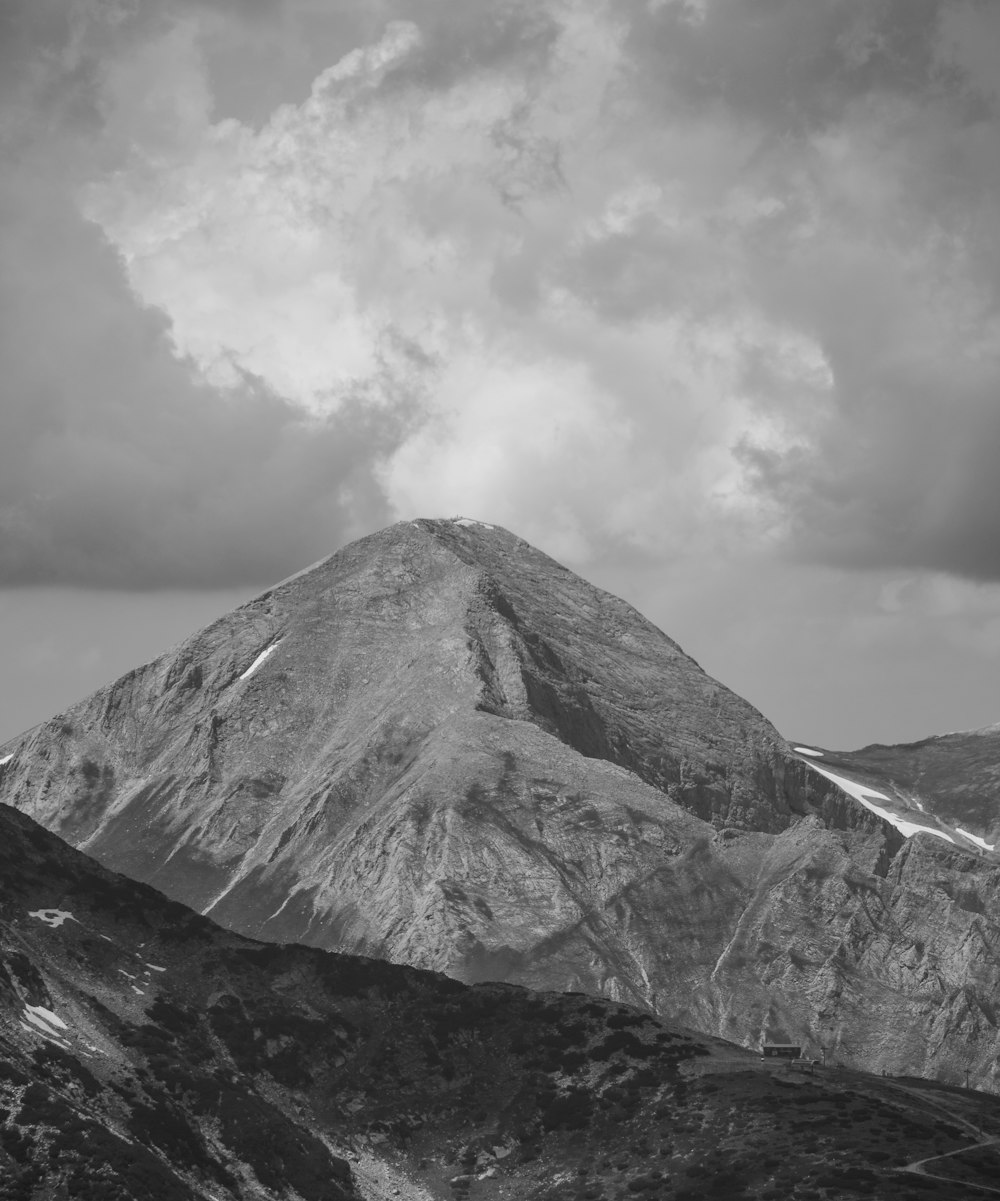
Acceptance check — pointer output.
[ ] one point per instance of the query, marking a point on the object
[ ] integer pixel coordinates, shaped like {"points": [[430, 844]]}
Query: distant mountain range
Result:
{"points": [[439, 747]]}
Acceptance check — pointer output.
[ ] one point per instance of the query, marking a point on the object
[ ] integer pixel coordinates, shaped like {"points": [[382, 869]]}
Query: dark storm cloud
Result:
{"points": [[259, 53], [786, 63], [905, 480], [732, 264], [877, 124], [904, 296], [116, 467]]}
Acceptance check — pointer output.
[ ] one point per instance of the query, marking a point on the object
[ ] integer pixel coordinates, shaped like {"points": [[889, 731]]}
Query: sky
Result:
{"points": [[699, 296]]}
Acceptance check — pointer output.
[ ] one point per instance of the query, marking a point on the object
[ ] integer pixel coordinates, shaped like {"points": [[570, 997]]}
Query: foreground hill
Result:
{"points": [[442, 748], [146, 1052]]}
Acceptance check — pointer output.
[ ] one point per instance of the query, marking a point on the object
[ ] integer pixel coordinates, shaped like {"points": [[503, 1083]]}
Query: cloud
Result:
{"points": [[486, 243], [117, 466], [637, 279], [788, 66], [898, 278]]}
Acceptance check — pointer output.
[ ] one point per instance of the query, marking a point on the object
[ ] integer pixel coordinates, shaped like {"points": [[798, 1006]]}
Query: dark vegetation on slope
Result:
{"points": [[246, 1071]]}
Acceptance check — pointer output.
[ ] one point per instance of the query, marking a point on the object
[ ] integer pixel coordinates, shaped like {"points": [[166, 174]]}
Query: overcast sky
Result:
{"points": [[700, 296]]}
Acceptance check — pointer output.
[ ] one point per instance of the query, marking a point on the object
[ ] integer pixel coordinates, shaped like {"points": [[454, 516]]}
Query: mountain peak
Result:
{"points": [[439, 746], [411, 667]]}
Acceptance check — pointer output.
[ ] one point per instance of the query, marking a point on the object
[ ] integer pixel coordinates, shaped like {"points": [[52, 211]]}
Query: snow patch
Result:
{"points": [[125, 973], [862, 793], [259, 660], [155, 968], [237, 878], [280, 908], [980, 842], [52, 917], [107, 938], [51, 1035], [41, 1016], [6, 759], [467, 521], [138, 990], [804, 750]]}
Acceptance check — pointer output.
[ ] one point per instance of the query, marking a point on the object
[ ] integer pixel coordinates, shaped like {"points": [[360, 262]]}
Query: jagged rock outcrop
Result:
{"points": [[146, 1052], [390, 686], [441, 747], [952, 780]]}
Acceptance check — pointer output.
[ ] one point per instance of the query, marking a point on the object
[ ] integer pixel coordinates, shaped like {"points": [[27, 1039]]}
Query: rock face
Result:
{"points": [[951, 781], [145, 1052], [348, 732], [440, 747]]}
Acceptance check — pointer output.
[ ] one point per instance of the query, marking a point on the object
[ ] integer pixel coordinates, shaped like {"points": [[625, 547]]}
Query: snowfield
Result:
{"points": [[38, 1015], [980, 842], [39, 1020], [860, 793], [468, 521]]}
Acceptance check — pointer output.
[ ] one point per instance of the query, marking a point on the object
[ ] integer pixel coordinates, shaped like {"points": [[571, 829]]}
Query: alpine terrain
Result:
{"points": [[439, 747], [145, 1052], [947, 786]]}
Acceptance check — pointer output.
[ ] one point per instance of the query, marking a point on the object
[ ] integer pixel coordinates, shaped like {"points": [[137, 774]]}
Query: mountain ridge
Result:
{"points": [[947, 785], [439, 746], [512, 677], [145, 1051]]}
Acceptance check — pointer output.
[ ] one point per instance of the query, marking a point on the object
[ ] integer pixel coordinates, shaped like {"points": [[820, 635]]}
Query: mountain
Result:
{"points": [[947, 786], [144, 1051], [337, 760], [440, 747]]}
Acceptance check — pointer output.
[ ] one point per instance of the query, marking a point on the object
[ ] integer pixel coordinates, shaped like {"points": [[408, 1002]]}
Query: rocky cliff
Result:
{"points": [[950, 782], [145, 1052], [441, 747]]}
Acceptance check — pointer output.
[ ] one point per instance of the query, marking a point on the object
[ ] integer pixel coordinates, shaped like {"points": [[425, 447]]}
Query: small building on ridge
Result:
{"points": [[781, 1051]]}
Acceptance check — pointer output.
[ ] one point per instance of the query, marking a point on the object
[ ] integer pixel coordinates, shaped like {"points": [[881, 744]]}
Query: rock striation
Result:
{"points": [[146, 1052], [440, 747], [950, 782]]}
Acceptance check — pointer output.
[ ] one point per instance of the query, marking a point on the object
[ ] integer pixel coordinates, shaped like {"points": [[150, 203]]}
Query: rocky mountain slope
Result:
{"points": [[440, 747], [146, 1052], [948, 784]]}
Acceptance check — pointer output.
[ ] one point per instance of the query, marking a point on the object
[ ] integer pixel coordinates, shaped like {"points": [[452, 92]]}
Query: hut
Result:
{"points": [[781, 1051]]}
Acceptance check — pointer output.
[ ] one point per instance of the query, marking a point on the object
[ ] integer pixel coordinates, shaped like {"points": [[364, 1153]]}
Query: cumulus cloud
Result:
{"points": [[629, 277], [117, 466], [498, 245]]}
